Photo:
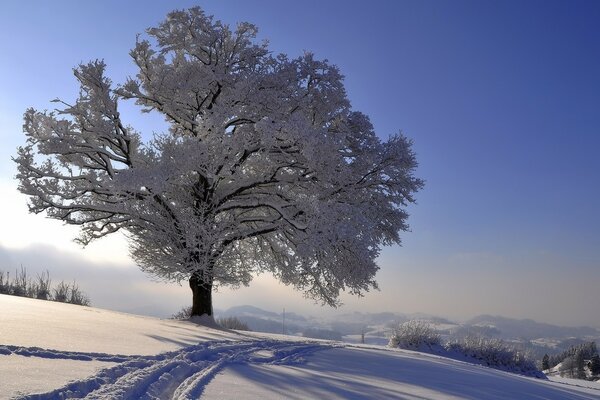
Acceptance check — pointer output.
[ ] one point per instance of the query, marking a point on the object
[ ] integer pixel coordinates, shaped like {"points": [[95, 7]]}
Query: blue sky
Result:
{"points": [[502, 100]]}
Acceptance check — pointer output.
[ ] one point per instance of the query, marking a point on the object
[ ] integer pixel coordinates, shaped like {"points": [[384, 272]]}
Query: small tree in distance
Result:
{"points": [[264, 168], [545, 362], [594, 364]]}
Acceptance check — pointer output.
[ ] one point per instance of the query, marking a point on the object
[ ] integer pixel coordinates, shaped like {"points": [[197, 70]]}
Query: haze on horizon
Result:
{"points": [[501, 100]]}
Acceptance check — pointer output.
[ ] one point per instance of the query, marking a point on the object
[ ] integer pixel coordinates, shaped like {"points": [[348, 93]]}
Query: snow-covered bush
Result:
{"points": [[414, 334], [495, 353]]}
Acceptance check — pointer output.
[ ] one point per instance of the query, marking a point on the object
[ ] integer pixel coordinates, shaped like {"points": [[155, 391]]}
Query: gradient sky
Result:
{"points": [[502, 100]]}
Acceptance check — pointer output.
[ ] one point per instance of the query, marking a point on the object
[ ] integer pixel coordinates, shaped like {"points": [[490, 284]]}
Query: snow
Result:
{"points": [[26, 375], [359, 373], [575, 382], [53, 351], [49, 325]]}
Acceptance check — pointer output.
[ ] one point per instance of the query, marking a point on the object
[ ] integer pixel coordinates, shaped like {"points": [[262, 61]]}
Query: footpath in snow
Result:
{"points": [[180, 374]]}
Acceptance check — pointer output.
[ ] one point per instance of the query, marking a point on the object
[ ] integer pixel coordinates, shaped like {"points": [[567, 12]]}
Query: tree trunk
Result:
{"points": [[201, 296]]}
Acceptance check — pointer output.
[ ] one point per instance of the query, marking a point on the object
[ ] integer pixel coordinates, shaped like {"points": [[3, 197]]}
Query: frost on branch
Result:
{"points": [[264, 168]]}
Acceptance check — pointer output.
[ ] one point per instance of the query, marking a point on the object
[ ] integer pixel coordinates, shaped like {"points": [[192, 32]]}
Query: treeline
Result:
{"points": [[580, 361], [40, 287]]}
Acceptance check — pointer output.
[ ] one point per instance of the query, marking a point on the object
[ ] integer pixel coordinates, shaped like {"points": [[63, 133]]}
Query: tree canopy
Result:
{"points": [[264, 168]]}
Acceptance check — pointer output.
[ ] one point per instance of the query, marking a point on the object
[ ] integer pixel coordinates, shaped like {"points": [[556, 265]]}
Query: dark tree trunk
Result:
{"points": [[202, 296]]}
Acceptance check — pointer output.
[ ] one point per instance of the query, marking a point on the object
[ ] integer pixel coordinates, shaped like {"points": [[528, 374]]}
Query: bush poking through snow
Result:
{"points": [[61, 292], [227, 322], [414, 335], [184, 313], [20, 283], [41, 288], [4, 283], [233, 323], [76, 296], [66, 293]]}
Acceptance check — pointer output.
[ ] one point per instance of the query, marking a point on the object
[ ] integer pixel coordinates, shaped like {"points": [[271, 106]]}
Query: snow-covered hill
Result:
{"points": [[52, 351]]}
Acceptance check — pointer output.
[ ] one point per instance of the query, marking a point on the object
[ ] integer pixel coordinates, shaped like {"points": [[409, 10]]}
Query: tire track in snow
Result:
{"points": [[180, 374]]}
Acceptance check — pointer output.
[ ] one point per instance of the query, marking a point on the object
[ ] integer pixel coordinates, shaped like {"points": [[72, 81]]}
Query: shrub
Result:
{"points": [[4, 283], [495, 353], [232, 323], [227, 322], [61, 292], [77, 296], [184, 313], [414, 334], [42, 287], [21, 284]]}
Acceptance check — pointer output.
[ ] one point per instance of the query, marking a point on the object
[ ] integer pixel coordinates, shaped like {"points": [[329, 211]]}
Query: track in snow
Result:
{"points": [[180, 374]]}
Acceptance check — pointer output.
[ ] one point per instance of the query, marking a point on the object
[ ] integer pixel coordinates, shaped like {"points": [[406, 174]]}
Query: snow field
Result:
{"points": [[56, 351], [36, 323], [181, 374]]}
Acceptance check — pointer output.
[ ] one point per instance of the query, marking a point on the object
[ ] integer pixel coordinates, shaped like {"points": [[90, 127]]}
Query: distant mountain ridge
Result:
{"points": [[247, 310], [353, 323], [529, 329]]}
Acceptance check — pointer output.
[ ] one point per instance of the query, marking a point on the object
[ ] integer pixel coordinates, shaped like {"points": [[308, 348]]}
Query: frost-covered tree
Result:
{"points": [[264, 167], [546, 362], [568, 367], [594, 364]]}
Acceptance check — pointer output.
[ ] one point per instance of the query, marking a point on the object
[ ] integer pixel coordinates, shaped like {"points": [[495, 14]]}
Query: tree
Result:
{"points": [[594, 364], [579, 365], [264, 168], [568, 367], [545, 362]]}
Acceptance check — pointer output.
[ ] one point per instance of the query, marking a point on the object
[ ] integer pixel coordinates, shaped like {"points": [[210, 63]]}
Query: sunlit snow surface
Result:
{"points": [[57, 351]]}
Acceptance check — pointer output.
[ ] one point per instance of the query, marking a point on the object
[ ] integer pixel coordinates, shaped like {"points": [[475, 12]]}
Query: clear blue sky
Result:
{"points": [[501, 98]]}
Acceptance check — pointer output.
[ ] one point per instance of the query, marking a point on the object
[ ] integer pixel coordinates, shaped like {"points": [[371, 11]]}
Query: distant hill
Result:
{"points": [[538, 337], [247, 310], [529, 329]]}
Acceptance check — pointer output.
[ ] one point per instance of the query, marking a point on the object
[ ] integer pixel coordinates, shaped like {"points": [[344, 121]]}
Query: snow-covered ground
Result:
{"points": [[54, 351]]}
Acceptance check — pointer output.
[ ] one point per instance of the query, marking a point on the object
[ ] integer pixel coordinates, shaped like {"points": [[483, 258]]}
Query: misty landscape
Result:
{"points": [[311, 200]]}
